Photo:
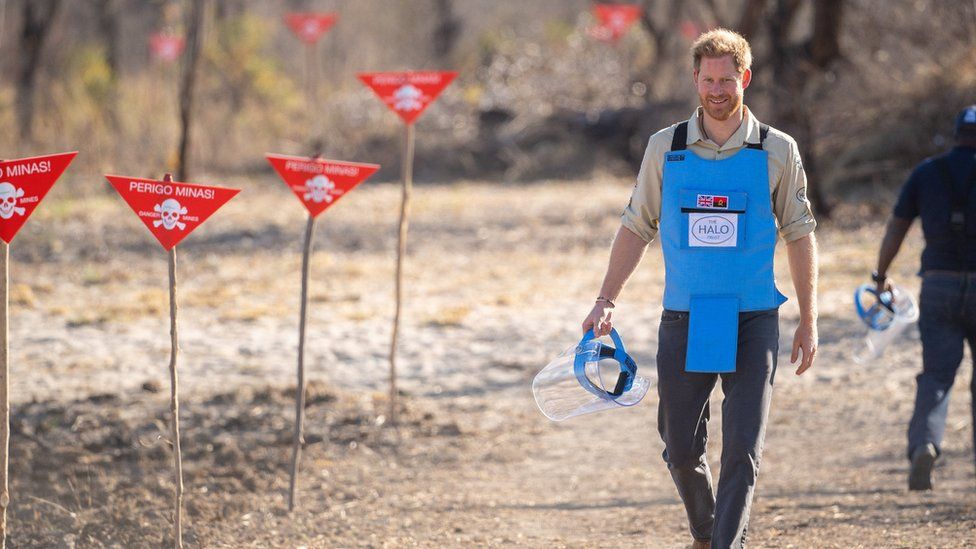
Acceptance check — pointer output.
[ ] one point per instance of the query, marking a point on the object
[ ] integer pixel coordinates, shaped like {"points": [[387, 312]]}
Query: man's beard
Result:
{"points": [[723, 111]]}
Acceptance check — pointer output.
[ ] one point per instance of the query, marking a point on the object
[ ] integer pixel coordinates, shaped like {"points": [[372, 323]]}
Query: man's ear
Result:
{"points": [[694, 76], [746, 78]]}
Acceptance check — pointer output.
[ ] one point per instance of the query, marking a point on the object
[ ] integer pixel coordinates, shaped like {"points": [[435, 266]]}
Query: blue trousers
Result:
{"points": [[947, 318], [683, 414]]}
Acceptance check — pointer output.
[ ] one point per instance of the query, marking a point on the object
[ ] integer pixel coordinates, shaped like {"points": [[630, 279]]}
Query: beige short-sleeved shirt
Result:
{"points": [[787, 180]]}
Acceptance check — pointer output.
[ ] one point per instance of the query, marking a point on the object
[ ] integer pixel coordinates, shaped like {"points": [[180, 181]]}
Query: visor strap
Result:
{"points": [[625, 379]]}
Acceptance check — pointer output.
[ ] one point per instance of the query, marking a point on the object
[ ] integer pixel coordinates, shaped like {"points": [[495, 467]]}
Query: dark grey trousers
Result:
{"points": [[683, 413]]}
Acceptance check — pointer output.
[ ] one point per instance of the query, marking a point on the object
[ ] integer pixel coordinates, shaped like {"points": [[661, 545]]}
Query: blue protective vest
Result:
{"points": [[718, 235]]}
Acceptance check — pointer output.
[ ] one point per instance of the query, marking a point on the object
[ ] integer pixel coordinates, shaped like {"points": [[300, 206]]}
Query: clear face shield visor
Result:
{"points": [[880, 311], [589, 377], [886, 316]]}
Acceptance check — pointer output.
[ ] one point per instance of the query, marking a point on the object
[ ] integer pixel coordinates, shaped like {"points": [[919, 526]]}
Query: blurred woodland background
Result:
{"points": [[868, 87], [527, 157]]}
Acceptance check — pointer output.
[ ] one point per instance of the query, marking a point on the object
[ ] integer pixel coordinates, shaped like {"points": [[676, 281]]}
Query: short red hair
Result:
{"points": [[722, 42]]}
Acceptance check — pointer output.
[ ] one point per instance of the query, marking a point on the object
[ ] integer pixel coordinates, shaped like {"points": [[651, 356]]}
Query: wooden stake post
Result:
{"points": [[172, 210], [407, 188], [174, 405], [31, 187], [309, 27], [319, 184], [4, 390], [310, 77], [299, 439], [174, 401], [407, 94]]}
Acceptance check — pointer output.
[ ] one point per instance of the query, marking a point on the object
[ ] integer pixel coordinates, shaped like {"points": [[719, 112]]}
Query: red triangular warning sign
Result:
{"points": [[614, 20], [166, 47], [170, 210], [23, 184], [408, 93], [317, 182], [309, 27]]}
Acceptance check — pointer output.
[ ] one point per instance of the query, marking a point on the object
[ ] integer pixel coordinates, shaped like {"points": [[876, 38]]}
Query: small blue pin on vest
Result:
{"points": [[718, 235]]}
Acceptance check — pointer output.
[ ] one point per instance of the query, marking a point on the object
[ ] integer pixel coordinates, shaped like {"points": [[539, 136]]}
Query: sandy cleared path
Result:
{"points": [[498, 280]]}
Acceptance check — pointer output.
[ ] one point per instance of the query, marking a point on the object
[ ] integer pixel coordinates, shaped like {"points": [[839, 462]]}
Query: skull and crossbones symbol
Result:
{"points": [[407, 98], [319, 188], [8, 200], [310, 28], [617, 22], [170, 212]]}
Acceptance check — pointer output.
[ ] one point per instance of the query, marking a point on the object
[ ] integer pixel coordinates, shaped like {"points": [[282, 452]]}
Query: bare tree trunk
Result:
{"points": [[825, 41], [661, 71], [299, 438], [780, 25], [229, 8], [446, 29], [3, 21], [797, 69], [194, 44], [824, 49], [38, 17], [108, 26], [751, 17]]}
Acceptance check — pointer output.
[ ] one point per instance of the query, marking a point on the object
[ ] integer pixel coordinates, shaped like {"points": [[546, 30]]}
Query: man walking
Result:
{"points": [[718, 187], [940, 191]]}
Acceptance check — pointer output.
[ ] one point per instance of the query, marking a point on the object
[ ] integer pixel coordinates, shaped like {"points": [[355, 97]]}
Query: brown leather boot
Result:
{"points": [[698, 544]]}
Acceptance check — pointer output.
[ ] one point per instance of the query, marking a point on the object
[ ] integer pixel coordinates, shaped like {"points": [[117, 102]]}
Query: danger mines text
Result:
{"points": [[152, 187], [28, 168], [317, 168]]}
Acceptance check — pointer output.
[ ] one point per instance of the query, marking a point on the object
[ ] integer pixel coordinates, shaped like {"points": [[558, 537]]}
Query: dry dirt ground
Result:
{"points": [[497, 281]]}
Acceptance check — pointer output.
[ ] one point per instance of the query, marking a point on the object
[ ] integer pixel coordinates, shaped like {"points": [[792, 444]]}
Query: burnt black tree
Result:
{"points": [[194, 44], [108, 12], [660, 18], [799, 69], [447, 29], [38, 18]]}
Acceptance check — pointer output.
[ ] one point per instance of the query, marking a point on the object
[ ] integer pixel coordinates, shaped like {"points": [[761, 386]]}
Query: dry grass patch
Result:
{"points": [[97, 275], [253, 313], [362, 314], [212, 296], [22, 295], [149, 302], [325, 296], [449, 317]]}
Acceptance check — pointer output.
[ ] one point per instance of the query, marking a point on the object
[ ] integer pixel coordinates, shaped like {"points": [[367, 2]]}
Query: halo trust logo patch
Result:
{"points": [[801, 194], [712, 230]]}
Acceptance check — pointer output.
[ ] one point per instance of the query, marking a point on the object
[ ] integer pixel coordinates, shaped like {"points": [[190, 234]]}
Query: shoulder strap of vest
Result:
{"points": [[957, 197], [763, 132], [959, 200], [680, 140]]}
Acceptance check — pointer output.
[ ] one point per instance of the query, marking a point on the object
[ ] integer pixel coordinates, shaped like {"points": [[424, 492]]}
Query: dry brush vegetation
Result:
{"points": [[499, 268]]}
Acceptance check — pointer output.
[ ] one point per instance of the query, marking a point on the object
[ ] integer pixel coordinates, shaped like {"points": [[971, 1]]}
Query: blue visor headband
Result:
{"points": [[591, 349], [880, 314]]}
